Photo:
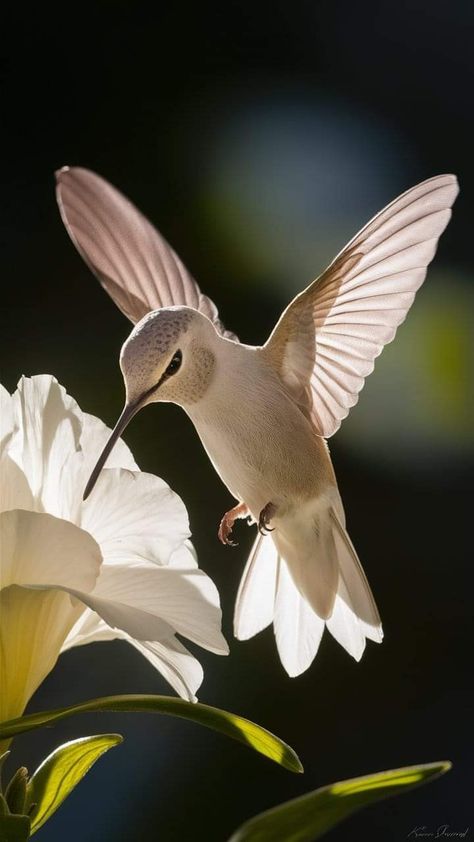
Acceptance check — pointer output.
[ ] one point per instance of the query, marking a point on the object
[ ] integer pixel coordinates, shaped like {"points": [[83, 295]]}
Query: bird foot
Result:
{"points": [[265, 517], [227, 522]]}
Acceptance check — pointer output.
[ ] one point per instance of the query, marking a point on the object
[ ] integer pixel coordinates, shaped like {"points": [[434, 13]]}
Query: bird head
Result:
{"points": [[168, 357]]}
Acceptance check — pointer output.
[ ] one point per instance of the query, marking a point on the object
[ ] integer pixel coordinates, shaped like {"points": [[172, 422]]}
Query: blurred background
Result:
{"points": [[259, 138]]}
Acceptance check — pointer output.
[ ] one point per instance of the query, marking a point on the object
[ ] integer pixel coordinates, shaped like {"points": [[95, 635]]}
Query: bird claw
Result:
{"points": [[225, 531], [265, 517], [227, 522], [241, 511]]}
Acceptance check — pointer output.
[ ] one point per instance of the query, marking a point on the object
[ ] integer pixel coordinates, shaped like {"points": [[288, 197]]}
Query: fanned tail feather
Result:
{"points": [[254, 606], [268, 593], [354, 590], [298, 629]]}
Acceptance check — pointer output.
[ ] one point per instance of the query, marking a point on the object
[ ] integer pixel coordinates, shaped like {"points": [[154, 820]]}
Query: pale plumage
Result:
{"points": [[263, 413]]}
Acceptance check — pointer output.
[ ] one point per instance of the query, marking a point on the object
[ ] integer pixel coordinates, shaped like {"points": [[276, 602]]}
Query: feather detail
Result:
{"points": [[133, 262], [298, 629], [254, 606], [355, 616], [327, 340], [305, 540], [269, 590]]}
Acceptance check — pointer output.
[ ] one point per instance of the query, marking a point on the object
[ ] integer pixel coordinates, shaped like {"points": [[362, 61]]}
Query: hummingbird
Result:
{"points": [[264, 413]]}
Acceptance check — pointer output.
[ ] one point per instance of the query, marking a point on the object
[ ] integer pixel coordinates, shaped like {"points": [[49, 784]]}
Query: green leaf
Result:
{"points": [[14, 828], [309, 817], [226, 723], [61, 772]]}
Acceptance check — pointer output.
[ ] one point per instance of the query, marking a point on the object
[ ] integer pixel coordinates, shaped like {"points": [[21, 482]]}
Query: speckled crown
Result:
{"points": [[152, 338]]}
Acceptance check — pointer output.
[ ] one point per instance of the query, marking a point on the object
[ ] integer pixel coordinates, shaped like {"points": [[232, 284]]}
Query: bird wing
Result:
{"points": [[327, 339], [132, 261]]}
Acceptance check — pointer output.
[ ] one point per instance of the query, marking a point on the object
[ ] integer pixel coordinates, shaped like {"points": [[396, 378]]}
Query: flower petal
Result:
{"points": [[49, 425], [15, 493], [170, 657], [186, 599], [33, 627], [151, 587], [184, 557], [135, 517], [66, 501], [39, 549], [150, 603], [142, 526], [90, 628], [95, 435], [181, 669], [7, 421]]}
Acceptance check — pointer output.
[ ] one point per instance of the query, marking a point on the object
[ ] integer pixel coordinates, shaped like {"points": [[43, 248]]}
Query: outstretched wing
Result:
{"points": [[132, 261], [326, 341]]}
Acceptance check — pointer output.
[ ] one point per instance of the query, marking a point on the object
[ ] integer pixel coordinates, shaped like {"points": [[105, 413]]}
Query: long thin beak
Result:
{"points": [[128, 412]]}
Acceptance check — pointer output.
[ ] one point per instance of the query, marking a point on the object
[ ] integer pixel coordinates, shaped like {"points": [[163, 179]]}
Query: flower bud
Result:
{"points": [[15, 794]]}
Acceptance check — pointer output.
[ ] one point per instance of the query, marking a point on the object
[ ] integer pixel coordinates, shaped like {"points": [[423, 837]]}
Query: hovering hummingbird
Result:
{"points": [[264, 413]]}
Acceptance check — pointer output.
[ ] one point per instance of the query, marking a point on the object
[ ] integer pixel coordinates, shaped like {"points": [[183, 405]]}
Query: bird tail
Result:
{"points": [[301, 596]]}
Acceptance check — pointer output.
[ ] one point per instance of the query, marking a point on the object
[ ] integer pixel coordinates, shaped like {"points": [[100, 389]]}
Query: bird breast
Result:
{"points": [[258, 440]]}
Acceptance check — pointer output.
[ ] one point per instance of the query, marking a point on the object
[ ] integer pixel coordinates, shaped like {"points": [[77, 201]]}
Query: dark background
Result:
{"points": [[259, 138]]}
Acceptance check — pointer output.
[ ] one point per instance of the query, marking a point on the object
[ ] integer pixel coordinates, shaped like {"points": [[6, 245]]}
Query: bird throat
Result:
{"points": [[195, 382]]}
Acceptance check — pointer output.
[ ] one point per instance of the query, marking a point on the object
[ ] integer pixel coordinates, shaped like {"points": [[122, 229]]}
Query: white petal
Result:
{"points": [[90, 628], [39, 549], [187, 600], [78, 467], [121, 615], [298, 629], [135, 517], [95, 435], [7, 421], [184, 557], [50, 449], [170, 657], [150, 603], [15, 493], [33, 627], [49, 427], [176, 664]]}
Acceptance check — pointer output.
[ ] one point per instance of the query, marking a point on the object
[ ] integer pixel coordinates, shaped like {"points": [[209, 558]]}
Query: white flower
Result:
{"points": [[119, 565]]}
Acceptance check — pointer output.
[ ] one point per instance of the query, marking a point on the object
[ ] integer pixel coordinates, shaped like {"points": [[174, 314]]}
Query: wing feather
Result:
{"points": [[328, 338], [132, 261]]}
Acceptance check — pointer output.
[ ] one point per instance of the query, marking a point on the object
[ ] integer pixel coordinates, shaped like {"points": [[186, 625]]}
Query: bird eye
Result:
{"points": [[175, 364]]}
